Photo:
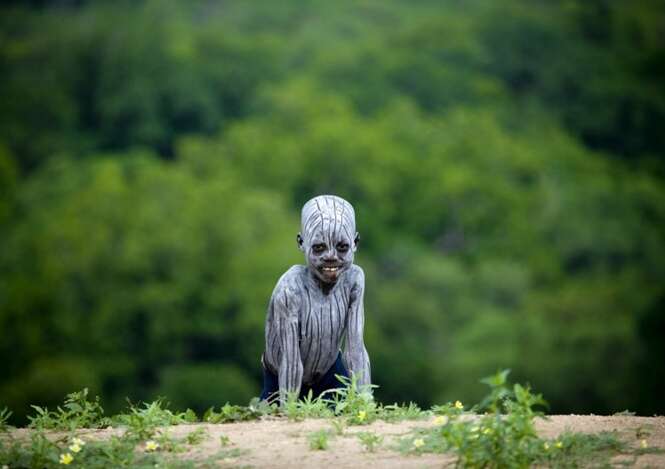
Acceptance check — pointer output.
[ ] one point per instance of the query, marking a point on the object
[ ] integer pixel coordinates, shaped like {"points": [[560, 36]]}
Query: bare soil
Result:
{"points": [[278, 443]]}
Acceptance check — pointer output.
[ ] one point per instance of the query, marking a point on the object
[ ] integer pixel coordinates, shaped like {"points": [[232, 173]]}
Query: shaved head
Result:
{"points": [[329, 214]]}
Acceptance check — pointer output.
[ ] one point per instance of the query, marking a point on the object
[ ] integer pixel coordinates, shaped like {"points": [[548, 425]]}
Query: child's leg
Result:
{"points": [[329, 381]]}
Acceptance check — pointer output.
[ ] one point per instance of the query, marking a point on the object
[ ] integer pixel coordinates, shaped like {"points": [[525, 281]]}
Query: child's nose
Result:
{"points": [[329, 255]]}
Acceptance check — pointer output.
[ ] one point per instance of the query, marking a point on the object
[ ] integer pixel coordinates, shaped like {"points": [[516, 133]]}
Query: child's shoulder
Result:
{"points": [[295, 273], [292, 279], [356, 275], [288, 291]]}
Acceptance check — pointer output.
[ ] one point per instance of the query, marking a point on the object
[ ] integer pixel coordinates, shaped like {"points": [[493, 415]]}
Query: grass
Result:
{"points": [[197, 436], [504, 435], [235, 413], [498, 432], [76, 412], [319, 440], [339, 426], [370, 441], [142, 421], [5, 414]]}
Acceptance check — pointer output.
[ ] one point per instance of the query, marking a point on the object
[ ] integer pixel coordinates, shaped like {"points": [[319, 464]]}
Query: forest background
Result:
{"points": [[506, 161]]}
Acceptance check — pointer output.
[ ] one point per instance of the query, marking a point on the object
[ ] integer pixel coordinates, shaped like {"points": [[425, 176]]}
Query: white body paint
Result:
{"points": [[316, 310]]}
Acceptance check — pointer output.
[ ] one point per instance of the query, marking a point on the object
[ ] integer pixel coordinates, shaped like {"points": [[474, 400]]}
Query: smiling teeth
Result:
{"points": [[330, 269]]}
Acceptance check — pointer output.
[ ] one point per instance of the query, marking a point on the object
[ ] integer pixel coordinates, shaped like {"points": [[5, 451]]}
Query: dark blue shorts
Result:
{"points": [[324, 383]]}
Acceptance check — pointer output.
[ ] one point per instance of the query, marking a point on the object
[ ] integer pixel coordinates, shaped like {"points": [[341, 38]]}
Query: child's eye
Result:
{"points": [[343, 247], [318, 248]]}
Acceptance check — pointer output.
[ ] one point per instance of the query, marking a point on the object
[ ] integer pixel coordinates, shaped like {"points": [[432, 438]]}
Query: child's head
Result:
{"points": [[328, 236]]}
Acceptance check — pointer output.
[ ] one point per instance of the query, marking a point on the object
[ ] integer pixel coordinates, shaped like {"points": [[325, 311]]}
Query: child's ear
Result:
{"points": [[300, 242], [356, 241]]}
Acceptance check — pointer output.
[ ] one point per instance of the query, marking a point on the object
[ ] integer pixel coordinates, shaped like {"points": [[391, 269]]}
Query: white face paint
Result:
{"points": [[328, 237]]}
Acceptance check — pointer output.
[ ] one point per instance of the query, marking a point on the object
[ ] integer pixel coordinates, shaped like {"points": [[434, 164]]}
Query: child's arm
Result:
{"points": [[355, 354], [286, 305]]}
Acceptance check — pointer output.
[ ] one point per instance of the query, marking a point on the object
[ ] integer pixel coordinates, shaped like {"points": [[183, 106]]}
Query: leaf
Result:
{"points": [[497, 380]]}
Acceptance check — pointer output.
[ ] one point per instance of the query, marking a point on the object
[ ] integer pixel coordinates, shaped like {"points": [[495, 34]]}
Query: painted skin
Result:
{"points": [[317, 308]]}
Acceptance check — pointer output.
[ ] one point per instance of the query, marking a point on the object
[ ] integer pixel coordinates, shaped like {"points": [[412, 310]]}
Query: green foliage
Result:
{"points": [[398, 413], [580, 449], [76, 412], [502, 437], [142, 421], [356, 403], [350, 404], [143, 442], [235, 413], [116, 451], [319, 440], [339, 426], [37, 451], [308, 407], [507, 178], [196, 436], [370, 440], [5, 414], [505, 435], [203, 384]]}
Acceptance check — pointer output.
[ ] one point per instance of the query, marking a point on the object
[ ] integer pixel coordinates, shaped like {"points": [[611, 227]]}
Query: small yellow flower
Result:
{"points": [[558, 444], [66, 458], [151, 445], [418, 442], [459, 405], [441, 420], [78, 441], [362, 415], [546, 445], [643, 443], [75, 448]]}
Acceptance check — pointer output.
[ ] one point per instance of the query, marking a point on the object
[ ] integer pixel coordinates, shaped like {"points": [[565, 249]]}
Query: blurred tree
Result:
{"points": [[136, 266], [505, 161]]}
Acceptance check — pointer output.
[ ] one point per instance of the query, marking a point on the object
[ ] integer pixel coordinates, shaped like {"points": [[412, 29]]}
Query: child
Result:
{"points": [[317, 307]]}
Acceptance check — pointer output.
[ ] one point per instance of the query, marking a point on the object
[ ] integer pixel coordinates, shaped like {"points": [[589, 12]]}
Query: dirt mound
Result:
{"points": [[281, 443]]}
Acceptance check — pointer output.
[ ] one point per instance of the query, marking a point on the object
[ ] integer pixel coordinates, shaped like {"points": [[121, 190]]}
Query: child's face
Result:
{"points": [[329, 250]]}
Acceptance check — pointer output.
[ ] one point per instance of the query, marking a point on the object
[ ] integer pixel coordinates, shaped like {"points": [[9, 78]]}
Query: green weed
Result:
{"points": [[142, 421], [505, 435], [76, 412], [197, 436], [399, 413], [235, 413], [580, 450], [318, 440], [353, 401], [339, 426], [356, 403], [370, 440], [163, 441], [5, 414], [499, 432], [299, 409]]}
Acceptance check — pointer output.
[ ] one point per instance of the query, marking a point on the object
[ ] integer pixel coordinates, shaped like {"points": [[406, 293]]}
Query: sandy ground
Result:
{"points": [[278, 443]]}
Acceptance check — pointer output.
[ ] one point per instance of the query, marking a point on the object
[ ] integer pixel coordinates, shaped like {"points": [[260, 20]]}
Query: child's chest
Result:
{"points": [[324, 316]]}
